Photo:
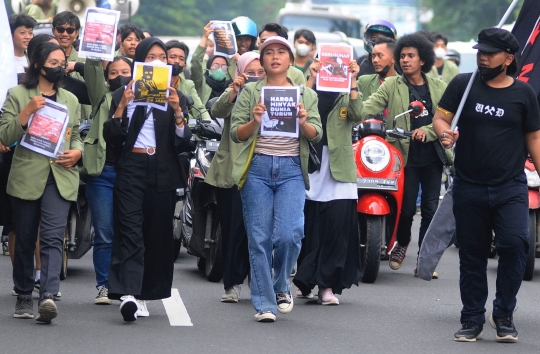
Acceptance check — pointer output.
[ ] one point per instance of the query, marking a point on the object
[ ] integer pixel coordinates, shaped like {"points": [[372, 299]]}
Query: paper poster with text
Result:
{"points": [[46, 129], [224, 39], [281, 115], [150, 84], [334, 74], [98, 39]]}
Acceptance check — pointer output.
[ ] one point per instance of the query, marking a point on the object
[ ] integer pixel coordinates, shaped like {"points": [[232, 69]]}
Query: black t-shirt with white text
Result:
{"points": [[491, 148]]}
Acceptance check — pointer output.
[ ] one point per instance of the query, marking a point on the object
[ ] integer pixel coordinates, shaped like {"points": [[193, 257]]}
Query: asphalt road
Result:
{"points": [[397, 314]]}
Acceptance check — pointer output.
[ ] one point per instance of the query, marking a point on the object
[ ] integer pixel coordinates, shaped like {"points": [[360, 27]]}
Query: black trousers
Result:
{"points": [[331, 246], [51, 212], [142, 260], [479, 210], [430, 178], [233, 236], [6, 213]]}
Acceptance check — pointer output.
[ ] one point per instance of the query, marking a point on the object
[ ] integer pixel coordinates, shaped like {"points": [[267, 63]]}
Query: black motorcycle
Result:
{"points": [[196, 223]]}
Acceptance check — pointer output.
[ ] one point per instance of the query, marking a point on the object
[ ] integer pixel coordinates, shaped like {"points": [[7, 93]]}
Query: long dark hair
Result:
{"points": [[37, 40], [117, 58], [37, 61]]}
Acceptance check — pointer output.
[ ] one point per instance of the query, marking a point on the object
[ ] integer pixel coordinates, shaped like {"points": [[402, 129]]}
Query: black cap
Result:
{"points": [[494, 40]]}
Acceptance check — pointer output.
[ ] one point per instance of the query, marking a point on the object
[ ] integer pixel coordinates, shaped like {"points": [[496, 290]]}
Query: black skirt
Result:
{"points": [[331, 254]]}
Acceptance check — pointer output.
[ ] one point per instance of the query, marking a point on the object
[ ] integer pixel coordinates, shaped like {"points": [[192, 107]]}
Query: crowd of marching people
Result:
{"points": [[278, 217]]}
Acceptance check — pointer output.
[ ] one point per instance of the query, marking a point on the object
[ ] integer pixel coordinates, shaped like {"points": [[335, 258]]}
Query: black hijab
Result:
{"points": [[326, 104], [217, 86], [144, 47]]}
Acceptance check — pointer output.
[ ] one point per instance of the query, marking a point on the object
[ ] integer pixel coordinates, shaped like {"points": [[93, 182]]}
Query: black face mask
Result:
{"points": [[490, 73], [53, 75], [118, 82], [384, 71], [177, 69]]}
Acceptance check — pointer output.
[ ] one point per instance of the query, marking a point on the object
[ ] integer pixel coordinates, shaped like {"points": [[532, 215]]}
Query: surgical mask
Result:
{"points": [[302, 49], [177, 69], [384, 71], [53, 75], [118, 82], [218, 75], [440, 53], [490, 73]]}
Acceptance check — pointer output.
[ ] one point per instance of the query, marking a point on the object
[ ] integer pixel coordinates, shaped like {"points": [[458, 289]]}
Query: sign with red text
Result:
{"points": [[99, 34], [334, 75]]}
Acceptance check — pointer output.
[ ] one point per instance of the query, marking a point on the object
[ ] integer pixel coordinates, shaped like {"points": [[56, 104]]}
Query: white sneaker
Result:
{"points": [[231, 294], [285, 302], [265, 317], [327, 297], [142, 310], [128, 308], [299, 295]]}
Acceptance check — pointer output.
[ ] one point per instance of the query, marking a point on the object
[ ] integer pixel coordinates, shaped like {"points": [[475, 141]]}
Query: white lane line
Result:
{"points": [[176, 311]]}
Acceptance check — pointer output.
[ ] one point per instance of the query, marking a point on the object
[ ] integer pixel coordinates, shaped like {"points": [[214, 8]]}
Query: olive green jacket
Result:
{"points": [[220, 172], [242, 114], [394, 94], [450, 70], [37, 12], [188, 87], [30, 170], [368, 84], [101, 99], [85, 110], [344, 115]]}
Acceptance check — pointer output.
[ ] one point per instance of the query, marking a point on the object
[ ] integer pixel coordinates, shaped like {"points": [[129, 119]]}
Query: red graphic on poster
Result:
{"points": [[334, 74], [99, 33], [45, 128]]}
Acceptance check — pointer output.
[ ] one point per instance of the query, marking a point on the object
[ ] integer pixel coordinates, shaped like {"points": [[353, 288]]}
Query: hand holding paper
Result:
{"points": [[174, 100], [35, 104], [258, 111], [354, 69]]}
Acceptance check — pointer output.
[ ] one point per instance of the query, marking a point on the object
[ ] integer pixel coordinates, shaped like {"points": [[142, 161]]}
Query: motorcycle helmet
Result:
{"points": [[452, 54], [378, 26], [244, 26]]}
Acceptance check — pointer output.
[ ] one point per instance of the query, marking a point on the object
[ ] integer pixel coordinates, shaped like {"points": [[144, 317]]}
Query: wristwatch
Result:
{"points": [[355, 89]]}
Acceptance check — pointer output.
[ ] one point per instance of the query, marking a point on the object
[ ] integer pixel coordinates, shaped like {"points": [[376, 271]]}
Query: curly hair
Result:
{"points": [[422, 44]]}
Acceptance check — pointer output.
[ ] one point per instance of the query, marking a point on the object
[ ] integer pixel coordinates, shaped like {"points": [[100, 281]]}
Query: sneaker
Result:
{"points": [[285, 302], [57, 296], [397, 257], [13, 292], [506, 331], [24, 307], [47, 309], [469, 332], [231, 294], [5, 248], [37, 285], [300, 295], [129, 308], [327, 297], [102, 297], [142, 309], [266, 316]]}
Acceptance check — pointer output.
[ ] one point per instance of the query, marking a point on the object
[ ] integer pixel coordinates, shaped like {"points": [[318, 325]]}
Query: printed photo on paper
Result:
{"points": [[47, 129], [334, 74], [281, 115], [224, 39], [98, 39], [150, 86]]}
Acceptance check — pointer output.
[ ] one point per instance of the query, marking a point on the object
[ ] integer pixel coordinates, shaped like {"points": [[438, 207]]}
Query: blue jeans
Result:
{"points": [[479, 209], [273, 202], [99, 193]]}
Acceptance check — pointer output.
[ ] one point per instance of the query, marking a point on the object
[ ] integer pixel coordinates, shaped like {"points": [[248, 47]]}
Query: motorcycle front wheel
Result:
{"points": [[371, 228], [529, 266], [71, 226]]}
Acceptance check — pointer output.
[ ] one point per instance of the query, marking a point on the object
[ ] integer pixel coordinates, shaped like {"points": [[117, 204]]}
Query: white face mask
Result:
{"points": [[440, 53], [302, 49]]}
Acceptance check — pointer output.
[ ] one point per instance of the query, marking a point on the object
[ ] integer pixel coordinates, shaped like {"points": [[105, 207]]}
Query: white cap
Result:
{"points": [[275, 40]]}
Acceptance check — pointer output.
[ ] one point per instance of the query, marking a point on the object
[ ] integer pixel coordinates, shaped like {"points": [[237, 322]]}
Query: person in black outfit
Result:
{"points": [[146, 143], [500, 120]]}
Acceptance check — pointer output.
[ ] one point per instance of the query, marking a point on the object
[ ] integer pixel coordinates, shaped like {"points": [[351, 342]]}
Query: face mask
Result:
{"points": [[218, 75], [53, 75], [118, 82], [490, 73], [384, 71], [302, 49], [177, 69], [440, 53]]}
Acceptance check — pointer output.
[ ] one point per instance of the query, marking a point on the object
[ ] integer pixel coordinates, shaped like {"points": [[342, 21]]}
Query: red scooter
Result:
{"points": [[380, 180], [533, 182]]}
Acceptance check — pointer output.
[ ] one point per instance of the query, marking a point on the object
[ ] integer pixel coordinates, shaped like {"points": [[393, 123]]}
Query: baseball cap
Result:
{"points": [[494, 40], [275, 40]]}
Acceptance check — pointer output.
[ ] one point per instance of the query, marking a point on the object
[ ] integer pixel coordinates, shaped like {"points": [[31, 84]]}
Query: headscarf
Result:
{"points": [[244, 60], [144, 47], [326, 103], [217, 86]]}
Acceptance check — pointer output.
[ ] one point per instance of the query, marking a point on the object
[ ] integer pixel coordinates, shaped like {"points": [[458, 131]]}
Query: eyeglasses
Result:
{"points": [[69, 30], [217, 66], [255, 73], [55, 63]]}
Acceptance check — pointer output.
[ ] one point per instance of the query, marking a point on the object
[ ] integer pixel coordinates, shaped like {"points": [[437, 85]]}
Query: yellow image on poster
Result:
{"points": [[151, 83]]}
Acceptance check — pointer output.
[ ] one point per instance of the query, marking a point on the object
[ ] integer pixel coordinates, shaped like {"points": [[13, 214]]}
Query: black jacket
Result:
{"points": [[121, 136]]}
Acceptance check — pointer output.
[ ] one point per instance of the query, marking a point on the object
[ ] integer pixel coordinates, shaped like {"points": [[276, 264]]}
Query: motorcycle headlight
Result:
{"points": [[203, 159], [375, 155], [533, 180]]}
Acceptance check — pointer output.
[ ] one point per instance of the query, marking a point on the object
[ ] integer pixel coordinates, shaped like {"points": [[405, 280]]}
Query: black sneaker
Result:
{"points": [[47, 309], [506, 331], [469, 332], [285, 302], [24, 308]]}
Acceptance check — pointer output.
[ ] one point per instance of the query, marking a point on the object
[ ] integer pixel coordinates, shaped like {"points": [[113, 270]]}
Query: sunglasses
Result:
{"points": [[69, 30]]}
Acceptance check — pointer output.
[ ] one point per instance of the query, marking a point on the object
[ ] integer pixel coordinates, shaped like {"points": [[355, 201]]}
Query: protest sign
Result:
{"points": [[151, 81], [224, 39], [334, 74], [99, 34], [281, 116]]}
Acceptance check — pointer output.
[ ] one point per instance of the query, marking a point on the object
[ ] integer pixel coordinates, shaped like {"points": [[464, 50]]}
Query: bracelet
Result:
{"points": [[178, 117], [355, 89]]}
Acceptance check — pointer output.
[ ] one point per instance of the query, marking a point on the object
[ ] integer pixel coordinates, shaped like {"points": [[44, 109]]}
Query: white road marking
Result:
{"points": [[176, 311]]}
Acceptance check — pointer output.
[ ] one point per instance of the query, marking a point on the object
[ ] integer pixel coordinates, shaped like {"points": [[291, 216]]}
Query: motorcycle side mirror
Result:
{"points": [[416, 108]]}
